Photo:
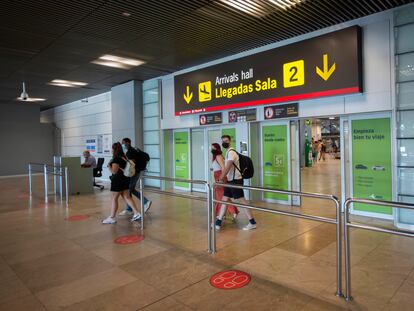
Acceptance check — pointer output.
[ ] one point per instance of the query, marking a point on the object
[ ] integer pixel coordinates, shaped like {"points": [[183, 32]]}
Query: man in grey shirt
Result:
{"points": [[90, 160]]}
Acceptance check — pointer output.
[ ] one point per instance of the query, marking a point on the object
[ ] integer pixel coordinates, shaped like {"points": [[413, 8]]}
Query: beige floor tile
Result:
{"points": [[25, 303], [403, 299], [171, 270], [57, 269], [12, 288], [320, 305], [167, 304], [122, 254], [132, 296], [68, 294]]}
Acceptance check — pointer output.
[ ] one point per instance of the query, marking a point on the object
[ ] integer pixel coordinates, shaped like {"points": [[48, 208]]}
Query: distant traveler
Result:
{"points": [[119, 184], [89, 161], [314, 150], [323, 150], [135, 156], [234, 177], [217, 167]]}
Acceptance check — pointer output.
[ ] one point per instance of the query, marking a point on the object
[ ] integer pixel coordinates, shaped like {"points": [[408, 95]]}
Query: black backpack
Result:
{"points": [[142, 160], [246, 168]]}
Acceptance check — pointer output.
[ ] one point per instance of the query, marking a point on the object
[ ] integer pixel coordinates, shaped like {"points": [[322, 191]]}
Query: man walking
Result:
{"points": [[133, 155], [234, 177]]}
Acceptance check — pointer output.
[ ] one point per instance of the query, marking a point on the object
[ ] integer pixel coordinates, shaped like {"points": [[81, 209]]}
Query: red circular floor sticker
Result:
{"points": [[230, 279], [77, 217], [129, 239]]}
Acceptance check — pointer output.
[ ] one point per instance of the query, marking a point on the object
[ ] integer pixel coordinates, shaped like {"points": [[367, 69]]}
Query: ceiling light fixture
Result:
{"points": [[118, 61], [24, 96], [126, 14], [259, 8], [67, 83], [331, 118]]}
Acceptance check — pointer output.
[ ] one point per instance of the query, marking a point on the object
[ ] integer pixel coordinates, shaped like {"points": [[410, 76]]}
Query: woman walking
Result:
{"points": [[217, 167], [119, 184]]}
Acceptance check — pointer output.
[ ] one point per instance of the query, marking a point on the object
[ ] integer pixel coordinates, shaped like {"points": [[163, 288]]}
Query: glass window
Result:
{"points": [[405, 68], [406, 95], [404, 41], [151, 110], [154, 166], [151, 124], [404, 16], [152, 150], [151, 137], [406, 123], [405, 152], [150, 96]]}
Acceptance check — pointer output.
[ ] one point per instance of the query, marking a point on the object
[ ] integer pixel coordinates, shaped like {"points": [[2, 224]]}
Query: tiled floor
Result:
{"points": [[47, 263]]}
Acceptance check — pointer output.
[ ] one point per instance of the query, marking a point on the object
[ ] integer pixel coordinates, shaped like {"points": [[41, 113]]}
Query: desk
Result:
{"points": [[80, 179]]}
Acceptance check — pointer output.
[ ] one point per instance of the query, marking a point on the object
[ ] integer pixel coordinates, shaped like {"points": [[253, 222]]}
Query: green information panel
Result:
{"points": [[371, 161], [232, 133], [275, 160], [181, 158]]}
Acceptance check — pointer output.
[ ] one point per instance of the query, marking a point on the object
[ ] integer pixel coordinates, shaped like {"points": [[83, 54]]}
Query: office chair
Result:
{"points": [[97, 172]]}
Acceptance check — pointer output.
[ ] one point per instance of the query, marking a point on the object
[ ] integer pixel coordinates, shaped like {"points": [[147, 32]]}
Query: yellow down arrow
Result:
{"points": [[188, 95], [326, 72]]}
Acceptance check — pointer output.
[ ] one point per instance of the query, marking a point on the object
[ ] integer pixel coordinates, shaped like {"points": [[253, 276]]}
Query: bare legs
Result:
{"points": [[127, 198], [223, 208]]}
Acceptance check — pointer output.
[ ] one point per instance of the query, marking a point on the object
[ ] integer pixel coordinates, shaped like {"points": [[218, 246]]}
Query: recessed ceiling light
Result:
{"points": [[126, 14], [260, 8], [67, 83], [31, 99], [331, 118], [118, 61]]}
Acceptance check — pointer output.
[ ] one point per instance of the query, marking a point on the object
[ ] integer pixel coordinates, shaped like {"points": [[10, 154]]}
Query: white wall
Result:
{"points": [[78, 120], [377, 64]]}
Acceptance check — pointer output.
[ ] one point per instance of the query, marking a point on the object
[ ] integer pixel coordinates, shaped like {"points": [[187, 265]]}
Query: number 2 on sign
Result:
{"points": [[294, 73]]}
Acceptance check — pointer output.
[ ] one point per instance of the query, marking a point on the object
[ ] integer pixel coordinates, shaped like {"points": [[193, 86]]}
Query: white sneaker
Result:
{"points": [[109, 221], [250, 226], [125, 212], [136, 217], [218, 228], [147, 206]]}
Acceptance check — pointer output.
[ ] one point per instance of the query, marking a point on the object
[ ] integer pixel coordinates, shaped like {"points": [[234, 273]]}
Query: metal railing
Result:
{"points": [[193, 197], [337, 221], [348, 224], [57, 171]]}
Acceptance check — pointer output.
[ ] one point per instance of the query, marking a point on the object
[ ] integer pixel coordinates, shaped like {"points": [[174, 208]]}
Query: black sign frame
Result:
{"points": [[326, 65]]}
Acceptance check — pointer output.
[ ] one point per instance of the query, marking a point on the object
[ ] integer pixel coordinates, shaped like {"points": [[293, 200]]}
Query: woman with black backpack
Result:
{"points": [[119, 184]]}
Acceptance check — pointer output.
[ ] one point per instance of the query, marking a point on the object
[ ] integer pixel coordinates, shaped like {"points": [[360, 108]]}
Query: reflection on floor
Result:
{"points": [[47, 263]]}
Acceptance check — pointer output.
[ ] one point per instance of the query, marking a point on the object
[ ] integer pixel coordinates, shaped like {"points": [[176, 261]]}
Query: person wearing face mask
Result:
{"points": [[133, 155], [232, 172], [217, 167]]}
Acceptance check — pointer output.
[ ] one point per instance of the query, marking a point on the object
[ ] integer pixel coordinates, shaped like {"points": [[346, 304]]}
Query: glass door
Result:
{"points": [[198, 163]]}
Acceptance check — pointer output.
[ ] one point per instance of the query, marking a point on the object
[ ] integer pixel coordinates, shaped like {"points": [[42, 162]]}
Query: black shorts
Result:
{"points": [[234, 193]]}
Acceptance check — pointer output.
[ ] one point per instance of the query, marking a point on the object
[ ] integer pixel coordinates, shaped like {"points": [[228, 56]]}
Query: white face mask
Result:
{"points": [[124, 147]]}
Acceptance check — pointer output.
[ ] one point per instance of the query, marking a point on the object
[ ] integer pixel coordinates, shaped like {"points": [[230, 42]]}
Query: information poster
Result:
{"points": [[371, 163], [232, 133], [107, 144], [91, 144], [181, 158], [275, 160]]}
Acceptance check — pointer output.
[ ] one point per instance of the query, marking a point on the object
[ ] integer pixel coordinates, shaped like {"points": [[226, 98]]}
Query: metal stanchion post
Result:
{"points": [[348, 296], [141, 201], [338, 248], [30, 179], [66, 186], [61, 183], [208, 190], [46, 182], [213, 221], [55, 171]]}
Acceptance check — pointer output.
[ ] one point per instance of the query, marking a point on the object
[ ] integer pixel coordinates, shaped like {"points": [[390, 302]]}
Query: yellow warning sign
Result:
{"points": [[204, 91], [294, 73], [187, 95]]}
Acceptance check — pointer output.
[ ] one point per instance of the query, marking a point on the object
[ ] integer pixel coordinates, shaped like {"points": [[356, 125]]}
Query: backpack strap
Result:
{"points": [[235, 166]]}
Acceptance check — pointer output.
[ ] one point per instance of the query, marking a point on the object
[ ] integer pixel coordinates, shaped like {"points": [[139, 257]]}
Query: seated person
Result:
{"points": [[90, 160]]}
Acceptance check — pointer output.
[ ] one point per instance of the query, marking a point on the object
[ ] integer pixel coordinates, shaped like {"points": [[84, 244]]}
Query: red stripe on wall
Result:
{"points": [[289, 98]]}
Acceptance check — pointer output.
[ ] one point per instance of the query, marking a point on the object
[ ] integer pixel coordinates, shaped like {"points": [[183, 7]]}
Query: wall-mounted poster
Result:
{"points": [[107, 144], [371, 163], [181, 158], [91, 144]]}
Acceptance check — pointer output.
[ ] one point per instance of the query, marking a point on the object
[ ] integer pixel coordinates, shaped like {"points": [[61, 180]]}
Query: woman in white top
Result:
{"points": [[217, 166]]}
